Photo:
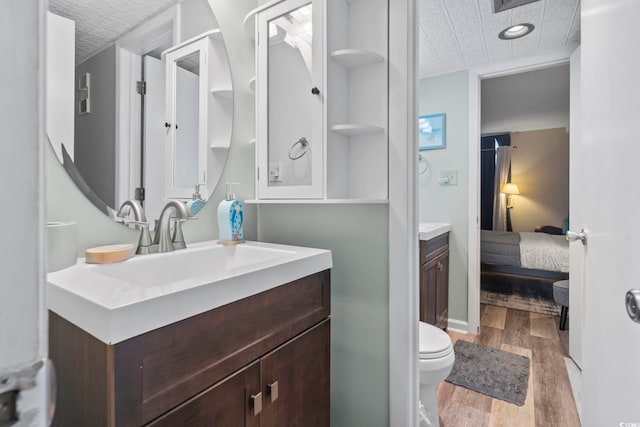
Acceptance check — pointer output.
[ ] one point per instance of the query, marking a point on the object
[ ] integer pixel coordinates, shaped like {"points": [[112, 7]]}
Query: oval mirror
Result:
{"points": [[141, 101]]}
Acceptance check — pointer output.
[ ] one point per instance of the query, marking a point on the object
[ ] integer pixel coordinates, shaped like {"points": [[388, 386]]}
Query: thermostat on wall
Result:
{"points": [[84, 103]]}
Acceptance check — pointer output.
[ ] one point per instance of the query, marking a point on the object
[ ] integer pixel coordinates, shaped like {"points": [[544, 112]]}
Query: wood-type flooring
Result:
{"points": [[549, 401]]}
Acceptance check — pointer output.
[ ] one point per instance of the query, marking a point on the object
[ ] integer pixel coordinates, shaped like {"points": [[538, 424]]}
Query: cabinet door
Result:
{"points": [[290, 93], [428, 281], [295, 381], [442, 290], [228, 403]]}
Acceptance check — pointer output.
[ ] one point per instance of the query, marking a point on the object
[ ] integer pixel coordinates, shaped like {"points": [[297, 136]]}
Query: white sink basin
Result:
{"points": [[115, 302]]}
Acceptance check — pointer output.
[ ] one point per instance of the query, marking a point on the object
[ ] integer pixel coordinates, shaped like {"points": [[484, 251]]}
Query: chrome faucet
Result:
{"points": [[163, 232], [140, 220]]}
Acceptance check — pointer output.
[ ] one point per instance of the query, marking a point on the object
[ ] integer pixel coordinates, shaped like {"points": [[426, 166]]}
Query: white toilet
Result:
{"points": [[436, 362]]}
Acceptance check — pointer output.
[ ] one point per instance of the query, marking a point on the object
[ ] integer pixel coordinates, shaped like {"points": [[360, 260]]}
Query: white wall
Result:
{"points": [[22, 107], [540, 167], [95, 133], [196, 17], [448, 94], [60, 84], [527, 101]]}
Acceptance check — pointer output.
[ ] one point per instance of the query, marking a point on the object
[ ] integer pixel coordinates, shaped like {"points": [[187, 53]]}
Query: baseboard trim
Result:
{"points": [[459, 326]]}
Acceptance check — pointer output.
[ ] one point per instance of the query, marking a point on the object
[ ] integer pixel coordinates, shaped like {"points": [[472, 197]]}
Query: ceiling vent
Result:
{"points": [[502, 5]]}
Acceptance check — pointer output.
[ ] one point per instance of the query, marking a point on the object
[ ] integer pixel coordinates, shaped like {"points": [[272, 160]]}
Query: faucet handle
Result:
{"points": [[145, 242], [178, 237]]}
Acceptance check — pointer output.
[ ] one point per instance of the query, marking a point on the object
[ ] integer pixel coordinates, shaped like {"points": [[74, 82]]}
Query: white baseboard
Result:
{"points": [[459, 326]]}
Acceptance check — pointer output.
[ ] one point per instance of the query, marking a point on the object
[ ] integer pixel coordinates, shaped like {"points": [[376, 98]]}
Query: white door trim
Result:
{"points": [[403, 214], [477, 74]]}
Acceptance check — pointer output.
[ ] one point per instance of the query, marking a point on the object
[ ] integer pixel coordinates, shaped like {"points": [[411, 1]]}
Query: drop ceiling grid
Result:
{"points": [[466, 24], [100, 23], [493, 23], [557, 19], [463, 33], [532, 13], [433, 16]]}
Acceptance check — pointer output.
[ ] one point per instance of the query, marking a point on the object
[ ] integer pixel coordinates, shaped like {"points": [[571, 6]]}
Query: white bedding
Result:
{"points": [[544, 252]]}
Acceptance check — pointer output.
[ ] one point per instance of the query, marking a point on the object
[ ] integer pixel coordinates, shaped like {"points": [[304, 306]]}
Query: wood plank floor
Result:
{"points": [[549, 399]]}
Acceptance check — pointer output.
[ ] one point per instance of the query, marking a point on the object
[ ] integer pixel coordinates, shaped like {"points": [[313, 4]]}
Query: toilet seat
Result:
{"points": [[434, 342]]}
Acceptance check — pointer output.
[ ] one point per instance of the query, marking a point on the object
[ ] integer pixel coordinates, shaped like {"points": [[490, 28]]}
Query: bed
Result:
{"points": [[523, 263]]}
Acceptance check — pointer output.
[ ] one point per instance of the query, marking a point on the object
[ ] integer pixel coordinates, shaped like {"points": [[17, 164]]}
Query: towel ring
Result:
{"points": [[305, 148], [421, 159]]}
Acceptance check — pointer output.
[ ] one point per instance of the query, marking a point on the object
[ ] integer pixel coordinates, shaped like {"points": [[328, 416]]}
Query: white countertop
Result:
{"points": [[115, 302], [429, 230]]}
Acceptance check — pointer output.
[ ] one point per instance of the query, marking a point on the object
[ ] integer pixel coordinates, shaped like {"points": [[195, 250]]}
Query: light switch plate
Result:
{"points": [[449, 177], [275, 172]]}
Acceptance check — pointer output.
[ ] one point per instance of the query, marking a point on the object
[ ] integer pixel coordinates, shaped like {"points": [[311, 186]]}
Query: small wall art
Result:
{"points": [[431, 131]]}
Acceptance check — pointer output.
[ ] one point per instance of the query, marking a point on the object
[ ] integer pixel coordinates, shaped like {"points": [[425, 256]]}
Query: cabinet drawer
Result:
{"points": [[172, 364], [433, 247]]}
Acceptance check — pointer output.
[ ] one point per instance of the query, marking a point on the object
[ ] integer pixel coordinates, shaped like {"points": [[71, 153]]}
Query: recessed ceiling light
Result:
{"points": [[516, 31]]}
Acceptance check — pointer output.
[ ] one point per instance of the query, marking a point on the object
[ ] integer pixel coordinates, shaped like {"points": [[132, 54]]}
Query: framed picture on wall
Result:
{"points": [[431, 131]]}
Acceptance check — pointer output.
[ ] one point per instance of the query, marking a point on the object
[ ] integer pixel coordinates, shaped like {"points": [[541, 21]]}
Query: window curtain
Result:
{"points": [[488, 144], [487, 176], [503, 165]]}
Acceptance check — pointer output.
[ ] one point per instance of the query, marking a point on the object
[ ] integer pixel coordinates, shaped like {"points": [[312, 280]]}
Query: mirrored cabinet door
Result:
{"points": [[290, 140], [186, 119]]}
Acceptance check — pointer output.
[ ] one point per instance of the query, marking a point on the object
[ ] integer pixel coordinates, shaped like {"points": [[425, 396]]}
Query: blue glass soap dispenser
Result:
{"points": [[230, 218]]}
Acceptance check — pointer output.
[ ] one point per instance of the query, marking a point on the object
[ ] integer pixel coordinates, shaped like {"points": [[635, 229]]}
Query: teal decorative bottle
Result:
{"points": [[230, 218]]}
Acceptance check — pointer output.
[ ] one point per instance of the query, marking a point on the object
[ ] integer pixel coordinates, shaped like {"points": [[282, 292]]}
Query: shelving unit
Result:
{"points": [[223, 92], [349, 129], [357, 79], [355, 58], [252, 141]]}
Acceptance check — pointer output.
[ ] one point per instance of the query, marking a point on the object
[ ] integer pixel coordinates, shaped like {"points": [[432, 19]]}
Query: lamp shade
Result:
{"points": [[510, 188]]}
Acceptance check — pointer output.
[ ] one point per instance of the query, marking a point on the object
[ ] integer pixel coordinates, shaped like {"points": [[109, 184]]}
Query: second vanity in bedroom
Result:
{"points": [[209, 335], [434, 273]]}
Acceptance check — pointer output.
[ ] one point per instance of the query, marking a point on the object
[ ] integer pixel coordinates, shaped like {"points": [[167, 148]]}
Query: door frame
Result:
{"points": [[129, 51], [476, 75]]}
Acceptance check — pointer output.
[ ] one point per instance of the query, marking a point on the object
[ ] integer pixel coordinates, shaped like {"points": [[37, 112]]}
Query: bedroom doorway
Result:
{"points": [[524, 191]]}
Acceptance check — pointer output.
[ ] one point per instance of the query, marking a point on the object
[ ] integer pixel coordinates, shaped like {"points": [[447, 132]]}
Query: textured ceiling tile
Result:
{"points": [[433, 18], [464, 15], [99, 23], [492, 24], [557, 21]]}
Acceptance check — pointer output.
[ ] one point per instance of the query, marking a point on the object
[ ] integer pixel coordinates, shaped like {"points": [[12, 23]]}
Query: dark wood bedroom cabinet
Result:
{"points": [[434, 281], [259, 361]]}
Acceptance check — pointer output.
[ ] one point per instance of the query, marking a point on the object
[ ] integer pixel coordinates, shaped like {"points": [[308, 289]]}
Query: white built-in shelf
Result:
{"points": [[219, 144], [252, 84], [249, 25], [223, 92], [318, 202], [252, 141], [350, 129], [354, 58]]}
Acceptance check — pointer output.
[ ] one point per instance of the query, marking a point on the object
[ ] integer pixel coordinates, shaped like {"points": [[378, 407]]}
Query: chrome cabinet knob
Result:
{"points": [[573, 236]]}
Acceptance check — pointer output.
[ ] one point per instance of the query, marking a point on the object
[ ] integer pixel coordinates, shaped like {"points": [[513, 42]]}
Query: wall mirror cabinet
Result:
{"points": [[321, 125], [160, 105], [195, 139]]}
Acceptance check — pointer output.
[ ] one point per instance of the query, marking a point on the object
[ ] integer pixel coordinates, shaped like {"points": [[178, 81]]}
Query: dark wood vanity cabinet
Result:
{"points": [[259, 361], [434, 281]]}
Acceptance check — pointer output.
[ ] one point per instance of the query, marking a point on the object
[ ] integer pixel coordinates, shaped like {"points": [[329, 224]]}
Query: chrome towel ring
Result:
{"points": [[305, 147], [422, 159]]}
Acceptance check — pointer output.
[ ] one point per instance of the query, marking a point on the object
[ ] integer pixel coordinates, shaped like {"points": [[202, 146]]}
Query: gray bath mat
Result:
{"points": [[490, 371]]}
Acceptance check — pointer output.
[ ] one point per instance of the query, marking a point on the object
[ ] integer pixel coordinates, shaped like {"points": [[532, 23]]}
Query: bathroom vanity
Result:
{"points": [[434, 273], [258, 357]]}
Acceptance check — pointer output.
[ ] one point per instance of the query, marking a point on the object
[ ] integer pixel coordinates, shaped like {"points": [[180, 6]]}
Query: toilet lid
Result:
{"points": [[434, 342]]}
